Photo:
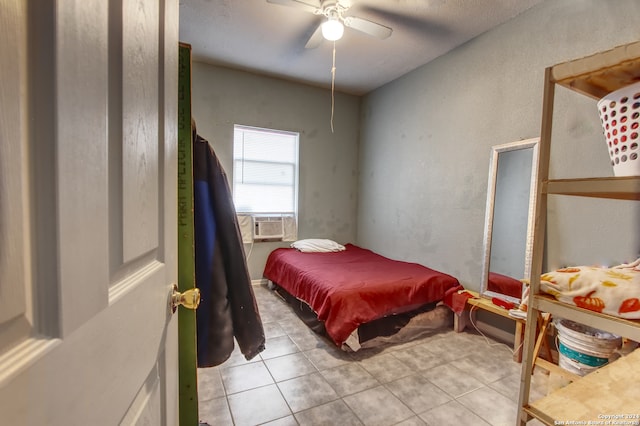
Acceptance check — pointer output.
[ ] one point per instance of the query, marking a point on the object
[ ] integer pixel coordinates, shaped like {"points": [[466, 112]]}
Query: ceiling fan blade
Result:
{"points": [[298, 5], [423, 26], [315, 39], [368, 27]]}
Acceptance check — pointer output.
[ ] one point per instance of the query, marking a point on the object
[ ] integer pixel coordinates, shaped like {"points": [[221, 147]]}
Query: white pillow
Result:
{"points": [[317, 245]]}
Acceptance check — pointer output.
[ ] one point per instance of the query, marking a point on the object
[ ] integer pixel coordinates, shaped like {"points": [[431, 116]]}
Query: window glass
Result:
{"points": [[265, 170]]}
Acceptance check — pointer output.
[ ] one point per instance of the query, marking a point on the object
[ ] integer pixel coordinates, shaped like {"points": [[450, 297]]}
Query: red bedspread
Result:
{"points": [[355, 286]]}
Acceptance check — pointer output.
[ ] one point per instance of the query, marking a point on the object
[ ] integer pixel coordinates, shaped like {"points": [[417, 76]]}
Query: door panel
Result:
{"points": [[140, 127], [80, 182], [145, 408], [88, 212], [15, 321]]}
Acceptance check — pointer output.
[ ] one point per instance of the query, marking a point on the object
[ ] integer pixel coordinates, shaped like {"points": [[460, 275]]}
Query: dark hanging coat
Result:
{"points": [[228, 307]]}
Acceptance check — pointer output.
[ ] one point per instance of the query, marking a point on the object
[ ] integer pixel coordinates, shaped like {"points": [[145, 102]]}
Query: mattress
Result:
{"points": [[356, 286]]}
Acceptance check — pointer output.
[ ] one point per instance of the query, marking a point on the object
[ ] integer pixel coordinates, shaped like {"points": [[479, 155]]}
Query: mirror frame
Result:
{"points": [[488, 225]]}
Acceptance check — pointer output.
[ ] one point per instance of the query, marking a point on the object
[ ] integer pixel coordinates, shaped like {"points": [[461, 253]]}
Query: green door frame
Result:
{"points": [[188, 374]]}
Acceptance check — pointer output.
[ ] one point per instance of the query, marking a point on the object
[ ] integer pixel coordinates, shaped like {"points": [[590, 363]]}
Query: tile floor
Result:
{"points": [[303, 379]]}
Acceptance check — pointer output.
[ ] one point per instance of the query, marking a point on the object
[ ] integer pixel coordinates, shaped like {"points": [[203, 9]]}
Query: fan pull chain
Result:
{"points": [[333, 80]]}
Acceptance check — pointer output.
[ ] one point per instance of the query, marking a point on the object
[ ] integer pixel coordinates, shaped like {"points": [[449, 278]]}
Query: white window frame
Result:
{"points": [[296, 166]]}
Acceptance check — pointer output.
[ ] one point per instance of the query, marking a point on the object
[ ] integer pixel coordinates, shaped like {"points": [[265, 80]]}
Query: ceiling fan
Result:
{"points": [[333, 27]]}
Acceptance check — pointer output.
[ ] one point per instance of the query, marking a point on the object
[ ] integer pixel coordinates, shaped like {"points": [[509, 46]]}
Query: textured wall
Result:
{"points": [[426, 138], [328, 161]]}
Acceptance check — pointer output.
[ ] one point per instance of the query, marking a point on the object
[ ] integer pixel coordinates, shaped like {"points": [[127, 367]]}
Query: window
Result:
{"points": [[265, 170]]}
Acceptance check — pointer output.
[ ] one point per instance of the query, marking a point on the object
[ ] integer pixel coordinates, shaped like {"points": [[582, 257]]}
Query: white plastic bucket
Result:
{"points": [[584, 349], [620, 116]]}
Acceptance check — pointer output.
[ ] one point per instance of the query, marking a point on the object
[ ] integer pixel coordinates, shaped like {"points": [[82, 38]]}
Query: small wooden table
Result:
{"points": [[462, 320]]}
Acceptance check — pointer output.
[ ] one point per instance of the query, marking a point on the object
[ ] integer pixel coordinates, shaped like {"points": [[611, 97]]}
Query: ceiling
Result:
{"points": [[266, 38]]}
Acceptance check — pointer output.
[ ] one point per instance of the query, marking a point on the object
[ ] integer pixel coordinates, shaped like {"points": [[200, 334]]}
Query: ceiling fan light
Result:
{"points": [[332, 30]]}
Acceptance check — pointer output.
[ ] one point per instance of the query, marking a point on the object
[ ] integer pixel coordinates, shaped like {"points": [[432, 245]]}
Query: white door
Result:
{"points": [[88, 93]]}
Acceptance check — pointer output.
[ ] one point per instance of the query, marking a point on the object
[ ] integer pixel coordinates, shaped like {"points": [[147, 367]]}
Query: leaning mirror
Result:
{"points": [[508, 233]]}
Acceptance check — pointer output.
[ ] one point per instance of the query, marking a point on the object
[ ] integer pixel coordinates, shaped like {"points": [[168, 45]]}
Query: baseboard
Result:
{"points": [[261, 281]]}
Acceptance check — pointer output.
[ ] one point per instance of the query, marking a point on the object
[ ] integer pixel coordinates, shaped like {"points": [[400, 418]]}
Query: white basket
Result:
{"points": [[620, 116]]}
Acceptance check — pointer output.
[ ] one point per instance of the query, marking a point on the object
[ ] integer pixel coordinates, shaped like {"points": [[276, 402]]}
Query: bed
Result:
{"points": [[351, 289]]}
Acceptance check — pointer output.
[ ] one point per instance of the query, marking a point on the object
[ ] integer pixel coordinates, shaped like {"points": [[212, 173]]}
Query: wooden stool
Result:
{"points": [[462, 320]]}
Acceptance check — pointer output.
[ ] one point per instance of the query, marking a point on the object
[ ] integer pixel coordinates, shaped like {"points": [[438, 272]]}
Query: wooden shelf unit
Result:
{"points": [[616, 325], [622, 188], [593, 76]]}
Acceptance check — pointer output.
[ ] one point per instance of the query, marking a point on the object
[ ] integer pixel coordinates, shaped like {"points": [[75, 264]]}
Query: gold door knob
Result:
{"points": [[190, 299]]}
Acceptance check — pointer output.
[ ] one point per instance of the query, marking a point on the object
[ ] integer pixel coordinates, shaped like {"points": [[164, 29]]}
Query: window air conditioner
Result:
{"points": [[268, 227]]}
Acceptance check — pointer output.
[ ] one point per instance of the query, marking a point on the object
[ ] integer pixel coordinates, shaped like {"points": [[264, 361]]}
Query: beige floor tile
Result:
{"points": [[418, 393], [452, 414], [278, 346], [273, 329], [324, 358], [418, 357], [413, 421], [510, 386], [330, 414], [215, 412], [236, 358], [307, 339], [493, 407], [349, 379], [243, 377], [289, 366], [378, 407], [306, 392], [285, 421], [257, 406], [452, 380], [209, 384], [386, 367], [486, 371]]}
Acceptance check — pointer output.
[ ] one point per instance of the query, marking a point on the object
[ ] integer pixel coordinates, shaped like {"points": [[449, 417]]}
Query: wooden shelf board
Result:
{"points": [[619, 326], [602, 73], [620, 188], [609, 390], [537, 414], [553, 368]]}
